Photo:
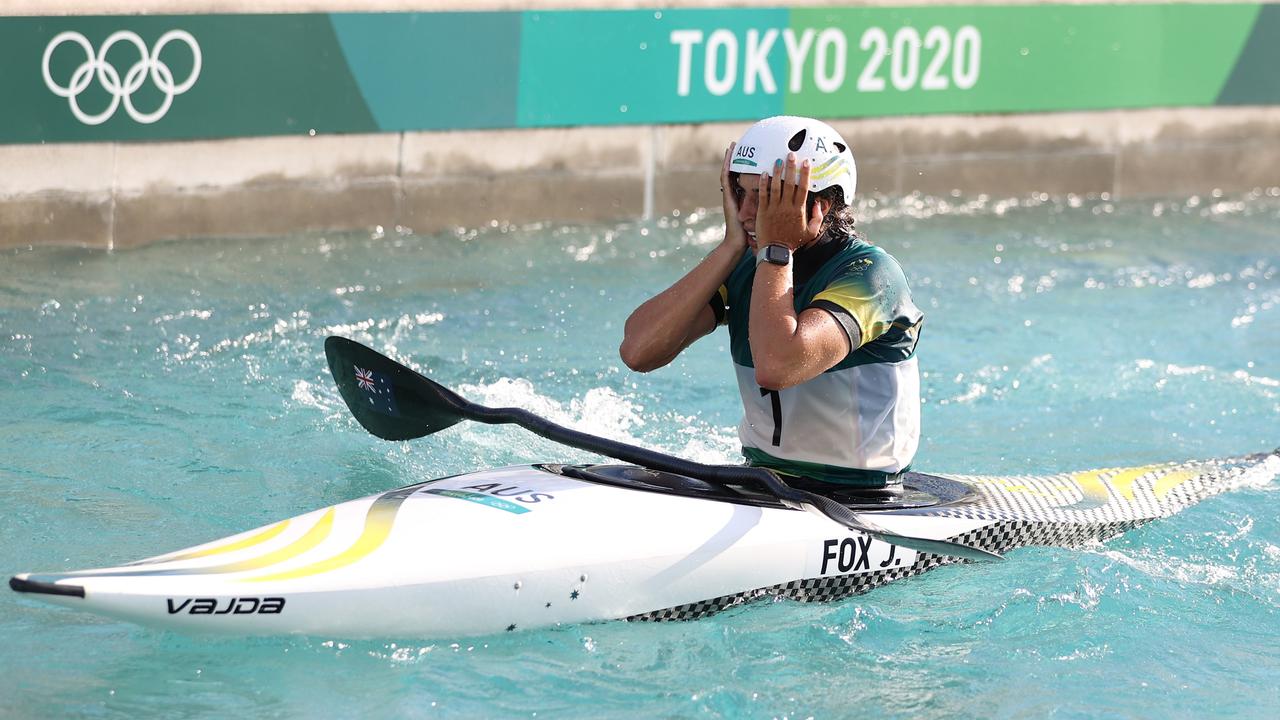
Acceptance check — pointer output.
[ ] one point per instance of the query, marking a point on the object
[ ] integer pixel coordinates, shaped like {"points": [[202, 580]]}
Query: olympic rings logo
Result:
{"points": [[96, 65]]}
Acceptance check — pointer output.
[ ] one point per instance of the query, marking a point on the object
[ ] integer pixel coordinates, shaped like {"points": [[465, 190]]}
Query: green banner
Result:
{"points": [[70, 79]]}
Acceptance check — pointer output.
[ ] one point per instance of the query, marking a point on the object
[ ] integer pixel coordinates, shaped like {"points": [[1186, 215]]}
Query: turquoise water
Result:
{"points": [[166, 396]]}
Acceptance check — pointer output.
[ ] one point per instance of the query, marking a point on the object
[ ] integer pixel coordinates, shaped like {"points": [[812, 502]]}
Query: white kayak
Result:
{"points": [[536, 546]]}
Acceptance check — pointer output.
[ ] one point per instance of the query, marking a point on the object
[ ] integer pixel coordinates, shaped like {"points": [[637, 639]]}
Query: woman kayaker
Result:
{"points": [[822, 327]]}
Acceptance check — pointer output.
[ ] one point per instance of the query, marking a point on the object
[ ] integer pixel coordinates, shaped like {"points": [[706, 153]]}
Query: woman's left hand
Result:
{"points": [[783, 217]]}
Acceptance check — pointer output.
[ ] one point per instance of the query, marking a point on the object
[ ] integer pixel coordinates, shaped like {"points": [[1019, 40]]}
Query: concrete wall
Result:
{"points": [[119, 195], [122, 195]]}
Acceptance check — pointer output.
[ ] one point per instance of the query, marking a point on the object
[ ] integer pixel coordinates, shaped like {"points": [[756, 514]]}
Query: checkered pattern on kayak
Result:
{"points": [[1019, 518], [1065, 497]]}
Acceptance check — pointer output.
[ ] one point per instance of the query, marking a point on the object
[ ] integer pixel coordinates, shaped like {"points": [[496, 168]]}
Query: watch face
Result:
{"points": [[777, 254]]}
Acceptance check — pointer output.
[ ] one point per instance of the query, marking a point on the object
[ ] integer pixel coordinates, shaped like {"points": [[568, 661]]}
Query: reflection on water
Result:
{"points": [[177, 393]]}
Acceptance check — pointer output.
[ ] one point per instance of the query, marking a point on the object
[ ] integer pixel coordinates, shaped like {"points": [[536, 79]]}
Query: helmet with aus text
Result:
{"points": [[770, 140]]}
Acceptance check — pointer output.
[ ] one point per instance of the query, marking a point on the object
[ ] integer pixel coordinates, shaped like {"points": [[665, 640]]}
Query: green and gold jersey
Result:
{"points": [[861, 415]]}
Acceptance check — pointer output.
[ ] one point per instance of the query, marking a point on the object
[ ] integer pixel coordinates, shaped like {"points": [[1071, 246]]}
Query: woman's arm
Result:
{"points": [[657, 331], [789, 348]]}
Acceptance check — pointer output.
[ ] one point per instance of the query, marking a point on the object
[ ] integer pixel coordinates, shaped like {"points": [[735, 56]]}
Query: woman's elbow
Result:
{"points": [[772, 377], [634, 358]]}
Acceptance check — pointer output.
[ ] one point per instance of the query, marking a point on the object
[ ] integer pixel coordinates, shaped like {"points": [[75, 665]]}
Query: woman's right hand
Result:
{"points": [[734, 234]]}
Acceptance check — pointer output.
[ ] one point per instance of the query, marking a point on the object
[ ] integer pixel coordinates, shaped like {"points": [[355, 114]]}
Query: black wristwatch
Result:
{"points": [[776, 254]]}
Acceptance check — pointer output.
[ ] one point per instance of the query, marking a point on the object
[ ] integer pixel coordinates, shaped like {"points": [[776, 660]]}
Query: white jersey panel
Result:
{"points": [[865, 417]]}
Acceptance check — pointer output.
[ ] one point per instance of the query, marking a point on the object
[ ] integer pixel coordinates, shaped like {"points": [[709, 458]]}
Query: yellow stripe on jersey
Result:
{"points": [[869, 305]]}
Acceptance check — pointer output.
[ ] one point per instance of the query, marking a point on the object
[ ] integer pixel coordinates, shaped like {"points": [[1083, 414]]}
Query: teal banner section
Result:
{"points": [[429, 71], [636, 67], [1255, 80], [108, 78]]}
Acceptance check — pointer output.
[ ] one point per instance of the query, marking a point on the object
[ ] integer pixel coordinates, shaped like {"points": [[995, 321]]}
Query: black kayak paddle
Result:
{"points": [[395, 402]]}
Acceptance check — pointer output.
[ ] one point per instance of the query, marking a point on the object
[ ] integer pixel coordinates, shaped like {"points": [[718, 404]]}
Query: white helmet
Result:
{"points": [[772, 138]]}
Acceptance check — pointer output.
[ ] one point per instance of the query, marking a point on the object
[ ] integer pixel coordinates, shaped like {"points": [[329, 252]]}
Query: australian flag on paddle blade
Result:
{"points": [[376, 389]]}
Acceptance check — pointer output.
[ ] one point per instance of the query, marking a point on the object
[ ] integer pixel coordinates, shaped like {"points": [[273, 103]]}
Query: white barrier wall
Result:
{"points": [[121, 193]]}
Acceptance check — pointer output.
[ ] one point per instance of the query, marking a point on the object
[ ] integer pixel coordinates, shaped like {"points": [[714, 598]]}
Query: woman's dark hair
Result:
{"points": [[839, 220]]}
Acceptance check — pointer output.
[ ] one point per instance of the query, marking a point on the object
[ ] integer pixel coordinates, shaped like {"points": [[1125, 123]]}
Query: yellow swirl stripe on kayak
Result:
{"points": [[1165, 483], [1097, 485], [248, 542], [377, 527], [312, 538], [1092, 488], [1122, 482]]}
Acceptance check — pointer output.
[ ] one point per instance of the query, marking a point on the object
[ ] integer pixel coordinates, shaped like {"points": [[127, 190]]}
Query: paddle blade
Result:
{"points": [[388, 399], [941, 547]]}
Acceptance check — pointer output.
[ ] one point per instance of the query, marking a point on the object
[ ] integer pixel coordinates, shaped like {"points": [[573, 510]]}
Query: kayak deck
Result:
{"points": [[916, 490], [533, 546]]}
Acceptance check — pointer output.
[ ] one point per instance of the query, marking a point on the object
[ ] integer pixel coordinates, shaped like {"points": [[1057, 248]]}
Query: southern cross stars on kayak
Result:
{"points": [[822, 327]]}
